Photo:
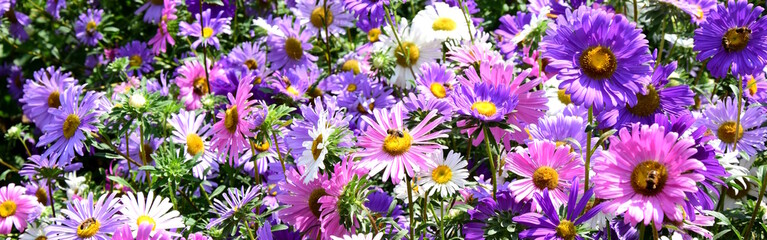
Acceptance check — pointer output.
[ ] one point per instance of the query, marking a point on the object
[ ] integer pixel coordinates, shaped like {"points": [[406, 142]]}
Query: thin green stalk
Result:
{"points": [[490, 158], [23, 143], [662, 41], [654, 231], [641, 231], [205, 195], [636, 12], [327, 37], [53, 201], [740, 108], [9, 166], [396, 36], [442, 218], [588, 148], [465, 17], [250, 233], [255, 163], [410, 206], [204, 50], [279, 154]]}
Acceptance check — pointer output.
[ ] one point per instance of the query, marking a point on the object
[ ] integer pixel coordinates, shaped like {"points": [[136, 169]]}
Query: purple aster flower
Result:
{"points": [[18, 21], [367, 98], [70, 124], [289, 46], [247, 57], [379, 203], [86, 27], [153, 10], [39, 189], [54, 7], [43, 94], [697, 9], [489, 213], [755, 88], [369, 11], [509, 28], [422, 103], [140, 58], [36, 166], [208, 32], [549, 225], [16, 81], [618, 229], [86, 219], [227, 10], [484, 101], [733, 34], [721, 118], [266, 154], [436, 81], [234, 200], [560, 129], [295, 82], [601, 57], [319, 15], [658, 98]]}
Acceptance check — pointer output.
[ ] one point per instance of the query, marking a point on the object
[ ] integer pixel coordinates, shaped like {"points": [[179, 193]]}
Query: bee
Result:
{"points": [[395, 132], [652, 180], [738, 40], [87, 223], [286, 80], [448, 86]]}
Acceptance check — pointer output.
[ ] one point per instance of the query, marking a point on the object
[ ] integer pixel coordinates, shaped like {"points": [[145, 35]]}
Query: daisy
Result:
{"points": [[322, 16], [153, 10], [733, 34], [235, 199], [86, 219], [544, 165], [489, 213], [360, 236], [75, 185], [436, 81], [71, 124], [145, 232], [550, 225], [192, 82], [597, 68], [86, 27], [190, 131], [444, 175], [657, 98], [303, 211], [755, 88], [288, 45], [230, 133], [35, 232], [416, 191], [43, 93], [207, 33], [410, 51], [721, 118], [646, 174], [155, 211], [16, 208], [441, 21], [390, 146], [140, 58]]}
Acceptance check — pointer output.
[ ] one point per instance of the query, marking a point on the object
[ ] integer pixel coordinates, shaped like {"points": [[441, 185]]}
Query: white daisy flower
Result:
{"points": [[360, 236], [738, 170], [416, 49], [313, 158], [315, 16], [558, 98], [441, 21], [444, 175], [152, 210], [75, 185], [34, 232], [190, 131]]}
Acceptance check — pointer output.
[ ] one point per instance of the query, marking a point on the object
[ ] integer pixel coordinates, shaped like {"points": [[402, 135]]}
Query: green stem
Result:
{"points": [[23, 143], [205, 51], [740, 108], [442, 218], [636, 11], [410, 206], [588, 148], [205, 195], [255, 163], [662, 41], [279, 154], [490, 158], [9, 166], [250, 233], [654, 231], [465, 17], [396, 36], [50, 193]]}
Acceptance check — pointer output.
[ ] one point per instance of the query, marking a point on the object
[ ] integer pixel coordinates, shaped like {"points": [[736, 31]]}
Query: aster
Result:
{"points": [[467, 53], [70, 124], [43, 93], [610, 69], [303, 211], [510, 27], [444, 175], [488, 220], [549, 225], [140, 58], [265, 153], [16, 81], [86, 219], [86, 27], [345, 84], [355, 62], [365, 98], [543, 165], [295, 82], [193, 84], [441, 21], [160, 40], [410, 51], [153, 10], [721, 117], [347, 189], [15, 208], [75, 185], [5, 5], [360, 236], [18, 21], [234, 201], [226, 7], [190, 130], [658, 98], [424, 104], [646, 174], [390, 146], [54, 7], [436, 81], [155, 211], [247, 57], [560, 129], [207, 34], [144, 232], [37, 166], [319, 17], [379, 202], [755, 88], [370, 11], [537, 63], [230, 133], [289, 45], [484, 101], [39, 189]]}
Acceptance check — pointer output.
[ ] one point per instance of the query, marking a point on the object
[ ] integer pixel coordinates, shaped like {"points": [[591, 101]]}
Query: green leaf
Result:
{"points": [[121, 181]]}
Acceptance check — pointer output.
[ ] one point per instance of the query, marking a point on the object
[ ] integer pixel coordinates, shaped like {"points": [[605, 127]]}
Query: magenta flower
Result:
{"points": [[230, 133], [192, 83], [15, 208]]}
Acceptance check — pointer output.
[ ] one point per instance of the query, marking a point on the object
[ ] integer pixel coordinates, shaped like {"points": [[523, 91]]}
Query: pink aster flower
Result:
{"points": [[544, 165], [230, 133], [15, 208], [391, 147], [192, 83], [344, 172], [303, 211], [160, 41], [646, 174]]}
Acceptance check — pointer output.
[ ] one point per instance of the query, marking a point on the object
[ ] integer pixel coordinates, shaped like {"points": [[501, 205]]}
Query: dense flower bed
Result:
{"points": [[382, 119]]}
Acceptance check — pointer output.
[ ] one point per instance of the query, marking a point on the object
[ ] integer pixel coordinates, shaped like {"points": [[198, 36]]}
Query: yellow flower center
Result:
{"points": [[321, 18], [194, 144], [293, 48], [262, 147], [397, 142], [736, 39], [200, 86], [231, 119], [438, 90], [251, 64], [53, 99], [751, 86], [315, 147], [8, 208], [546, 177], [442, 174], [699, 13], [258, 80], [41, 238], [90, 26], [351, 88], [351, 65], [42, 196], [648, 178], [407, 54], [443, 24], [293, 91], [314, 197], [566, 230], [207, 32], [485, 108], [373, 34], [564, 97], [70, 125], [135, 60], [88, 228], [146, 219], [646, 104], [598, 62], [726, 132]]}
